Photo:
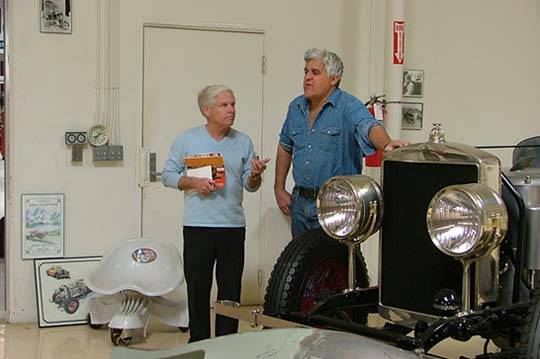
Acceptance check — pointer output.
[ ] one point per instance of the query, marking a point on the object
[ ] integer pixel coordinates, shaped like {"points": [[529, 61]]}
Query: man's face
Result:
{"points": [[223, 112], [317, 83]]}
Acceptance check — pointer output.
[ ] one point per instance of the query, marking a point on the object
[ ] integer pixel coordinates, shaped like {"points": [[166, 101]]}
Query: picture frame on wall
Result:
{"points": [[56, 16], [42, 225], [413, 113], [413, 83], [62, 294]]}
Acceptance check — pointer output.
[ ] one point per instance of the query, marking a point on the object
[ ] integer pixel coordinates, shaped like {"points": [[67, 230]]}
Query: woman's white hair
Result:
{"points": [[332, 62], [207, 96]]}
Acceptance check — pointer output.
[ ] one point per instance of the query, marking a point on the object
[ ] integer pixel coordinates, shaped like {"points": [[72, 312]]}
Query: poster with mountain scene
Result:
{"points": [[43, 225]]}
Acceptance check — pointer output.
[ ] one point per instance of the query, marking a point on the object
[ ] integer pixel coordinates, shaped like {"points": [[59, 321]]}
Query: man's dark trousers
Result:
{"points": [[204, 246]]}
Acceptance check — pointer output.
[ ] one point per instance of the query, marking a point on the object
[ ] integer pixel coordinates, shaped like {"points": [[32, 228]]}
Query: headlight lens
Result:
{"points": [[346, 206], [466, 220]]}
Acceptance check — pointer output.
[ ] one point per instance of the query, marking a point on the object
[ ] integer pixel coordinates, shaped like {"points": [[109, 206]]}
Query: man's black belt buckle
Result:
{"points": [[308, 193]]}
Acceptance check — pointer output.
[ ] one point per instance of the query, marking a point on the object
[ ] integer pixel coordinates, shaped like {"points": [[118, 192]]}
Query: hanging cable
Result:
{"points": [[108, 68], [98, 63], [107, 111], [116, 72]]}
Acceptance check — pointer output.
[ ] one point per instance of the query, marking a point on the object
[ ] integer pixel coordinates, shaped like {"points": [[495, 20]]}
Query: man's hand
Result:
{"points": [[283, 199], [382, 141], [258, 166], [204, 186], [392, 145]]}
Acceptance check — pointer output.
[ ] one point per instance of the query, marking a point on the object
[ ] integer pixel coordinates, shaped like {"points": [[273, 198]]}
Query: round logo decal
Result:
{"points": [[144, 255]]}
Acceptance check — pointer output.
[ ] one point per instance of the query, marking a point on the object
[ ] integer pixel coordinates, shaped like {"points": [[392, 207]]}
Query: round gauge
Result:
{"points": [[98, 135], [81, 138], [71, 138]]}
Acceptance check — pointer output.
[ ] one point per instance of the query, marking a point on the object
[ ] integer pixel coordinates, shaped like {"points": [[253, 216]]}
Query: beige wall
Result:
{"points": [[481, 68], [477, 56]]}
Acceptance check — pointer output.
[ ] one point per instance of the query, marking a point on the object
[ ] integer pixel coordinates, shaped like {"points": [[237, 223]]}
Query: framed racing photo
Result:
{"points": [[413, 113], [55, 16], [62, 294]]}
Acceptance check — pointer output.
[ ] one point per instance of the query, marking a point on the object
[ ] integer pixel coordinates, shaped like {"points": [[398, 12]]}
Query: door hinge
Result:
{"points": [[263, 64], [260, 277]]}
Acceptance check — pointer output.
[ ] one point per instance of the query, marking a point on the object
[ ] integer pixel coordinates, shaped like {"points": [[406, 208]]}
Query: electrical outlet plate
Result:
{"points": [[116, 153], [101, 153], [109, 153]]}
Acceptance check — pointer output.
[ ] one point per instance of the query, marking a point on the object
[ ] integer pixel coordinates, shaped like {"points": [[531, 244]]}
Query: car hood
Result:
{"points": [[300, 343]]}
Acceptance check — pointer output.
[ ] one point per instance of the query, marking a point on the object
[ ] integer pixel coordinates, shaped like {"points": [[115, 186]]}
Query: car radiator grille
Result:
{"points": [[412, 269]]}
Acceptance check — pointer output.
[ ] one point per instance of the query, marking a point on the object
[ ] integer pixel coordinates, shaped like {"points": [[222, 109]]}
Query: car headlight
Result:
{"points": [[467, 221], [349, 208]]}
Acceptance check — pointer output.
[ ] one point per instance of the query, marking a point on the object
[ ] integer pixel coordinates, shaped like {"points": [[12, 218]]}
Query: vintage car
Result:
{"points": [[58, 272], [37, 234], [458, 251], [67, 296]]}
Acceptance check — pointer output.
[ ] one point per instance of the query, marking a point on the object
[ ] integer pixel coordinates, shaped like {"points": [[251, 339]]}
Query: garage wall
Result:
{"points": [[480, 82], [481, 74], [52, 90]]}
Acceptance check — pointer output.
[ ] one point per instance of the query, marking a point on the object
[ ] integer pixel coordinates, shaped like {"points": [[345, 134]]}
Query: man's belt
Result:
{"points": [[307, 193]]}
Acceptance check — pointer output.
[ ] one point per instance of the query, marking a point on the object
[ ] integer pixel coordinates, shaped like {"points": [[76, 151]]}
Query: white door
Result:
{"points": [[178, 62]]}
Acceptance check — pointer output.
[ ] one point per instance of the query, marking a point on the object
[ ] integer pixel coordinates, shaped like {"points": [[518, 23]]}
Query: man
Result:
{"points": [[214, 223], [327, 132]]}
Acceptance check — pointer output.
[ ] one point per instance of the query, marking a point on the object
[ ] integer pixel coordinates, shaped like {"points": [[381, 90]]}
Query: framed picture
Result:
{"points": [[42, 225], [412, 115], [55, 16], [413, 83], [62, 295]]}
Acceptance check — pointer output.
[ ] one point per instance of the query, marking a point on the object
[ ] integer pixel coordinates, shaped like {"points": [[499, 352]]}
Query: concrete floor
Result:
{"points": [[27, 341]]}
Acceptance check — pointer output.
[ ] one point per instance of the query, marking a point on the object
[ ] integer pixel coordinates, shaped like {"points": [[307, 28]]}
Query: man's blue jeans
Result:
{"points": [[303, 214]]}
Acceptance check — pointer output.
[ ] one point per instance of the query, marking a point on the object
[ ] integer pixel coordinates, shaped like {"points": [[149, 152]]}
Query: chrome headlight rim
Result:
{"points": [[366, 193], [491, 213]]}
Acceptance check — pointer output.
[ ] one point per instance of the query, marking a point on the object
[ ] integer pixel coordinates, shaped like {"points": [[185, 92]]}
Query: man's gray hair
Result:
{"points": [[207, 96], [332, 62]]}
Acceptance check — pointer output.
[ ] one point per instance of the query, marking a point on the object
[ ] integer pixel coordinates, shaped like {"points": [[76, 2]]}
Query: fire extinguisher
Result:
{"points": [[375, 107]]}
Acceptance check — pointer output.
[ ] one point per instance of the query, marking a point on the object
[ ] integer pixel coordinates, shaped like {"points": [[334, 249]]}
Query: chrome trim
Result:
{"points": [[369, 200], [494, 219]]}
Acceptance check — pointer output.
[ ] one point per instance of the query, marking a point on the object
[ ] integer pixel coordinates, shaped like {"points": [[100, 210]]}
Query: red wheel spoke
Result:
{"points": [[328, 276]]}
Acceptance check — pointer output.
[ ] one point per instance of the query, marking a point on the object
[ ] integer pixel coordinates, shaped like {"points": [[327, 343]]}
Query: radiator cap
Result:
{"points": [[437, 135]]}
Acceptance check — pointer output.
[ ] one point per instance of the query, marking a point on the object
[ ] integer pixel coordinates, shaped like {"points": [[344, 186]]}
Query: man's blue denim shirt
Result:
{"points": [[336, 143]]}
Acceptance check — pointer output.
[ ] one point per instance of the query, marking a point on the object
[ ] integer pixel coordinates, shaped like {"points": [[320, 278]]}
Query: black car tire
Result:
{"points": [[303, 255], [71, 306], [116, 337]]}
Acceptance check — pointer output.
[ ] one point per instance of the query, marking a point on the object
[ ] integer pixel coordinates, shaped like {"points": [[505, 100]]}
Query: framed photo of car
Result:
{"points": [[62, 295], [413, 113], [42, 225], [55, 16]]}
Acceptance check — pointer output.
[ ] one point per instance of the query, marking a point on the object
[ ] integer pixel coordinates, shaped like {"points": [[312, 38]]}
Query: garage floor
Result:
{"points": [[80, 342]]}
